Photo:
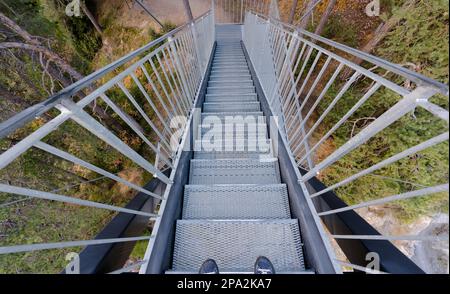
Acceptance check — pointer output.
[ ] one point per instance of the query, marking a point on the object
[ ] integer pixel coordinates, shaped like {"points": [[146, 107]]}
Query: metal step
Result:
{"points": [[236, 202], [231, 90], [236, 171], [231, 115], [232, 154], [229, 66], [234, 130], [230, 72], [225, 76], [236, 244], [231, 98], [228, 51], [229, 63], [221, 52], [243, 84], [230, 107], [236, 145], [237, 57], [229, 48], [231, 58]]}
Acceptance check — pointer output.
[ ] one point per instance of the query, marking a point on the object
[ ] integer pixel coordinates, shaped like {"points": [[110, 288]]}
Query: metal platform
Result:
{"points": [[235, 244]]}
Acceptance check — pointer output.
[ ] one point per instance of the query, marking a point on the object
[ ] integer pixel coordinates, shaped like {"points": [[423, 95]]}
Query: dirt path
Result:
{"points": [[173, 10], [130, 14]]}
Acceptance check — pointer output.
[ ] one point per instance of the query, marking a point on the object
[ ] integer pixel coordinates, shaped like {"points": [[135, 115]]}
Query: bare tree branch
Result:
{"points": [[48, 54], [325, 16], [9, 23]]}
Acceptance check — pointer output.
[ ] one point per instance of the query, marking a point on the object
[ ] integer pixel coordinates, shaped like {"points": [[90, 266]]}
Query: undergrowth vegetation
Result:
{"points": [[420, 43], [26, 220]]}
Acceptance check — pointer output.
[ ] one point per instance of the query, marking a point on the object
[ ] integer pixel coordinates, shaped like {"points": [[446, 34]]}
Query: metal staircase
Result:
{"points": [[235, 207], [247, 187]]}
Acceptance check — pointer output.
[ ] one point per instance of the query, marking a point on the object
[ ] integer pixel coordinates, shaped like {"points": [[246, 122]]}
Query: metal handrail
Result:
{"points": [[291, 68], [168, 81], [233, 11], [395, 68], [20, 119]]}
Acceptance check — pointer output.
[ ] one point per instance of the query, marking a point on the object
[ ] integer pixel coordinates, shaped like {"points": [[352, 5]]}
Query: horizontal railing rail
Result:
{"points": [[146, 105], [233, 11], [321, 99], [374, 60], [20, 119]]}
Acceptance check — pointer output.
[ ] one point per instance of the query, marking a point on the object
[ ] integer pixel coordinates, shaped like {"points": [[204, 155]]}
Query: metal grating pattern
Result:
{"points": [[232, 155], [230, 90], [236, 130], [236, 145], [237, 171], [222, 115], [221, 77], [236, 202], [245, 84], [235, 244], [231, 107], [231, 98], [230, 72], [235, 208]]}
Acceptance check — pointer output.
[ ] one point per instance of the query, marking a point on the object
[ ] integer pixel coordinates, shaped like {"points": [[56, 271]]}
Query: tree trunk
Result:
{"points": [[91, 17], [304, 22], [9, 23], [325, 16], [293, 9]]}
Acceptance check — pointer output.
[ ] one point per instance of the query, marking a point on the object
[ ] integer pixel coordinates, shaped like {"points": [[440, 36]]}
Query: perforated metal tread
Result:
{"points": [[231, 90], [229, 66], [233, 154], [235, 208], [236, 202], [231, 98], [235, 244], [248, 83], [222, 115], [222, 77], [222, 62], [230, 71], [236, 145], [234, 61], [231, 107], [237, 130], [236, 171]]}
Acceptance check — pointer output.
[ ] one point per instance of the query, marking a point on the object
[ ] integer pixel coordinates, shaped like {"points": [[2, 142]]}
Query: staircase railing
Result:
{"points": [[233, 11], [311, 83], [148, 101]]}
